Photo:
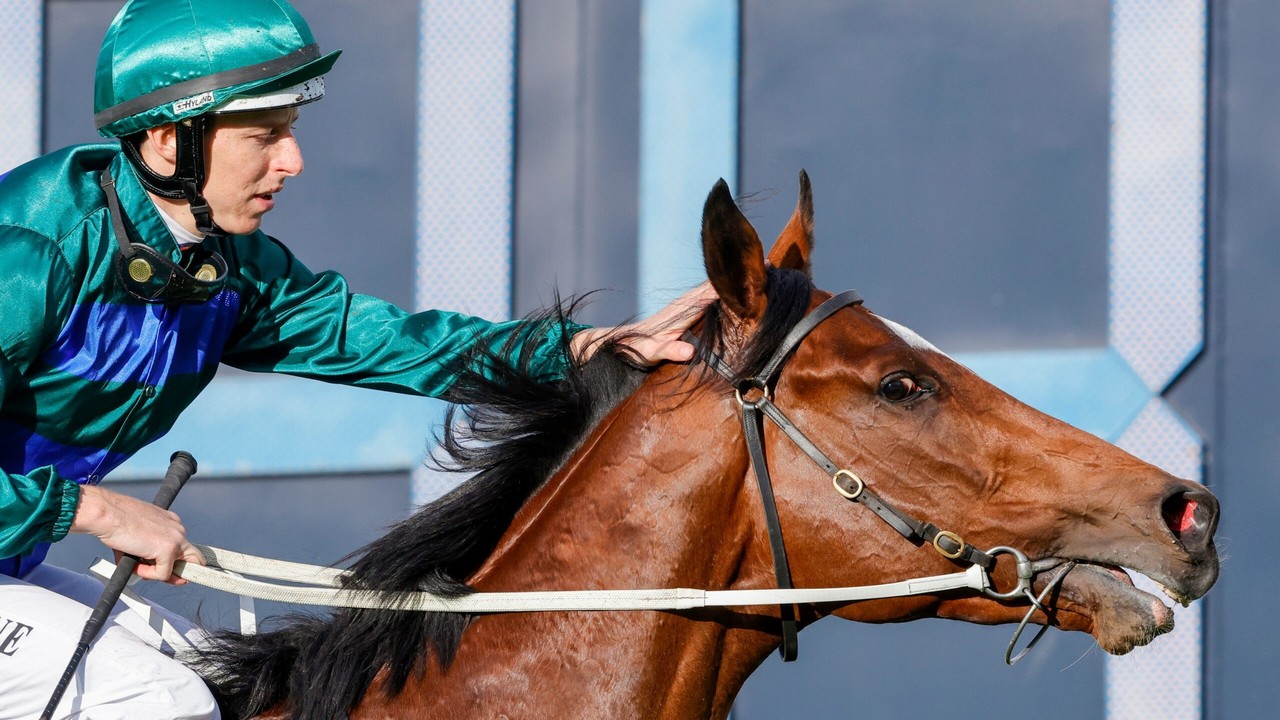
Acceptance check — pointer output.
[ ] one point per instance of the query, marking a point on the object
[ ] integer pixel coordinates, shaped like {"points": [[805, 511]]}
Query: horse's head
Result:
{"points": [[940, 444]]}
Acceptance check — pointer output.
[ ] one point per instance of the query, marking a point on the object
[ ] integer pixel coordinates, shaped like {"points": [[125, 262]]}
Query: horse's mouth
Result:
{"points": [[1122, 616]]}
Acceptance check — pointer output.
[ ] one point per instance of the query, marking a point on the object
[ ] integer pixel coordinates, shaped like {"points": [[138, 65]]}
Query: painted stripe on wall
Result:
{"points": [[688, 135], [466, 116], [1164, 679], [466, 146], [1158, 94], [248, 424], [21, 47], [1066, 384], [1157, 185]]}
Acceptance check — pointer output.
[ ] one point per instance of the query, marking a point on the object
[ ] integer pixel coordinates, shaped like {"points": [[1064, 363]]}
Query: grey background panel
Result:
{"points": [[958, 153], [922, 669], [577, 155], [1244, 457], [352, 209]]}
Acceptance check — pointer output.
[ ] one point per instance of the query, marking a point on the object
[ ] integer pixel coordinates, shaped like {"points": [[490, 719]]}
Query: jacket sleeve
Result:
{"points": [[37, 506], [301, 323]]}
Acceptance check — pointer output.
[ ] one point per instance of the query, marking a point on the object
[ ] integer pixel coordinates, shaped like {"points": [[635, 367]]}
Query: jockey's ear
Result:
{"points": [[795, 245], [733, 255], [159, 147]]}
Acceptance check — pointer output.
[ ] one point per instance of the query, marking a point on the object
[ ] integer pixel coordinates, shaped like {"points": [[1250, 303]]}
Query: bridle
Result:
{"points": [[755, 397]]}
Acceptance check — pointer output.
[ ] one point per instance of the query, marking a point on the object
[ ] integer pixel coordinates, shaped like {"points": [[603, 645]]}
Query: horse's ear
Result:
{"points": [[733, 255], [795, 244]]}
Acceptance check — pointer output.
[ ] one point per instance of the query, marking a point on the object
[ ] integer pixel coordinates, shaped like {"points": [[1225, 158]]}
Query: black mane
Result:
{"points": [[516, 430]]}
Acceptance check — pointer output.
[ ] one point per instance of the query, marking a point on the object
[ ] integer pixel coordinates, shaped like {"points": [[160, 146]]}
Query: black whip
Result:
{"points": [[181, 467]]}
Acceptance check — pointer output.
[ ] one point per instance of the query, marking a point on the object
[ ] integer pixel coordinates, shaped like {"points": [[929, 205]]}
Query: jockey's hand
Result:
{"points": [[656, 338], [131, 526]]}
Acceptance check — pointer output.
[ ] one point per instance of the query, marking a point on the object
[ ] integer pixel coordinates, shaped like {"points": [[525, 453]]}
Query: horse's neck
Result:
{"points": [[654, 498], [647, 495]]}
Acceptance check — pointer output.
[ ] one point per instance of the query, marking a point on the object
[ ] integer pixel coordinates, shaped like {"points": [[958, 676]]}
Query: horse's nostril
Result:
{"points": [[1189, 518]]}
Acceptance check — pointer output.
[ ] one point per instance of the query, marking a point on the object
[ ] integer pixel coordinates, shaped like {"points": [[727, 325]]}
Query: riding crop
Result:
{"points": [[181, 467]]}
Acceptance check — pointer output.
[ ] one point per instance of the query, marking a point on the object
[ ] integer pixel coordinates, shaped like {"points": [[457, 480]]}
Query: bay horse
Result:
{"points": [[618, 476]]}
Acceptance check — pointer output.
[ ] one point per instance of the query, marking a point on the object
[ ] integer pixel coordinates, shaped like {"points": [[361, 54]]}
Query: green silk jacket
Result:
{"points": [[89, 374]]}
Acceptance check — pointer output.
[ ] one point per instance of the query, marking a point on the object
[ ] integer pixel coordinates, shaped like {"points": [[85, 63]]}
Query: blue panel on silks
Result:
{"points": [[990, 173]]}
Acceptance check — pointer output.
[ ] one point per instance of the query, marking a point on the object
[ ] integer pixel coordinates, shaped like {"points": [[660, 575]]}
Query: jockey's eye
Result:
{"points": [[901, 387]]}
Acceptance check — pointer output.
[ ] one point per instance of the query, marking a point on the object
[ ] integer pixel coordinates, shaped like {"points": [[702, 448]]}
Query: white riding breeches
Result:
{"points": [[125, 674]]}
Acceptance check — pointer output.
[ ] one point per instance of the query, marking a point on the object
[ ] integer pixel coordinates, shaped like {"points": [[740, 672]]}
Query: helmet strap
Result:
{"points": [[188, 178], [151, 276]]}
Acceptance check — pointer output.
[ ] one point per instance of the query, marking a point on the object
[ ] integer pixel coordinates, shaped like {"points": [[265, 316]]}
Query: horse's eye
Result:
{"points": [[900, 387]]}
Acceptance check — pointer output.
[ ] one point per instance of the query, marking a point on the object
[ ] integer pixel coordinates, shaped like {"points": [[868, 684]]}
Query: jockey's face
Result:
{"points": [[250, 157]]}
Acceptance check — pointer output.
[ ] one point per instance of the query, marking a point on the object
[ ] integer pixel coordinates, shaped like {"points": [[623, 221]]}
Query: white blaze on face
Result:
{"points": [[910, 336]]}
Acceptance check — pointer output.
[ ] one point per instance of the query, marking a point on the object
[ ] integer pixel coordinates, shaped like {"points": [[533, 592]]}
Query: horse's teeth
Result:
{"points": [[1178, 598]]}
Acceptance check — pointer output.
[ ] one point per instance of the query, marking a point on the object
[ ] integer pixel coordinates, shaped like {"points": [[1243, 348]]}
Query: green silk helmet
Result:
{"points": [[178, 61]]}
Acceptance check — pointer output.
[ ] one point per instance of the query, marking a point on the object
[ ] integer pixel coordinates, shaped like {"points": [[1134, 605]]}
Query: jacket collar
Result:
{"points": [[141, 213]]}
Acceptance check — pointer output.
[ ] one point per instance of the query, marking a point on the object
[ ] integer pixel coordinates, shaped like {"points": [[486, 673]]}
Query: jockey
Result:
{"points": [[130, 270]]}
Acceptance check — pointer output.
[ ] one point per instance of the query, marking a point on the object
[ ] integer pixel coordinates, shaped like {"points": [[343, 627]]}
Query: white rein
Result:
{"points": [[315, 585]]}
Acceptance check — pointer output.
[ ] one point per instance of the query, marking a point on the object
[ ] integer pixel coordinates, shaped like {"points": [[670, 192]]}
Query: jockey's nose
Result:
{"points": [[288, 158]]}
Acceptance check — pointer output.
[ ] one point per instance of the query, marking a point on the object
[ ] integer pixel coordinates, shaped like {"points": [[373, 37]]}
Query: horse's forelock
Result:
{"points": [[789, 295]]}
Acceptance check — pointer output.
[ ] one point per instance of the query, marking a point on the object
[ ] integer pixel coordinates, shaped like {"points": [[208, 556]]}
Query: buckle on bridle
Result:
{"points": [[855, 488], [954, 538]]}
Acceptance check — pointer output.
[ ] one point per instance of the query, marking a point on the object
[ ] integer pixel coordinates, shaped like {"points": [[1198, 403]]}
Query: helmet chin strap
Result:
{"points": [[188, 178]]}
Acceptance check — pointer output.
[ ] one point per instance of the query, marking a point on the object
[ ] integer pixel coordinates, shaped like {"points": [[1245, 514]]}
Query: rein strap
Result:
{"points": [[324, 586]]}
